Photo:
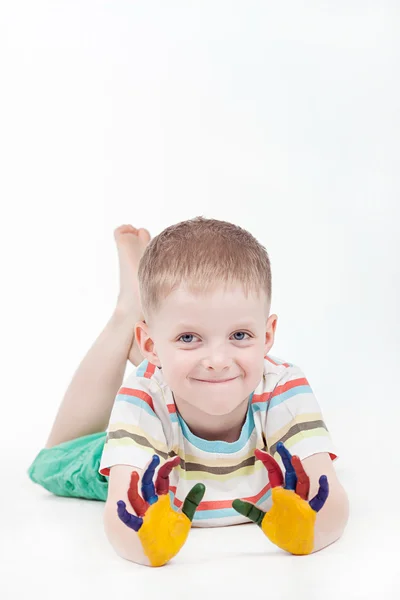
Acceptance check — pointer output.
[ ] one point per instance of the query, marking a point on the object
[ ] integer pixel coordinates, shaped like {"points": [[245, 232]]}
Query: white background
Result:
{"points": [[280, 117]]}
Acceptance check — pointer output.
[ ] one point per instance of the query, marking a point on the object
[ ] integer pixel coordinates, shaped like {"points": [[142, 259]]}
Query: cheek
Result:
{"points": [[176, 370], [252, 360], [182, 360]]}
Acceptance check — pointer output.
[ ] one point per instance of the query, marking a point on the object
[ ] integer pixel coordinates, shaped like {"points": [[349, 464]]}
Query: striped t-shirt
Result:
{"points": [[144, 421]]}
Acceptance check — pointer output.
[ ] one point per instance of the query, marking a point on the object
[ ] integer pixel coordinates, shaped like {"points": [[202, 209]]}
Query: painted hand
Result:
{"points": [[161, 530], [290, 522]]}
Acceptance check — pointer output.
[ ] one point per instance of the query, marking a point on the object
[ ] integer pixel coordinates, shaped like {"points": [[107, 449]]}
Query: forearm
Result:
{"points": [[88, 401], [331, 520]]}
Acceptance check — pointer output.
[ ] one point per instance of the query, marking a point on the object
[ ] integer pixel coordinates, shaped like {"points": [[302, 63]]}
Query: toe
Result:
{"points": [[124, 229], [144, 234]]}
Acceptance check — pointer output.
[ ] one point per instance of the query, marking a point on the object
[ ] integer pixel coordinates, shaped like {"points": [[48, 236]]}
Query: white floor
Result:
{"points": [[55, 547]]}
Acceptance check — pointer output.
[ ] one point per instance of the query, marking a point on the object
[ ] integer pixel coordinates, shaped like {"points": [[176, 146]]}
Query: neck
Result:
{"points": [[225, 428]]}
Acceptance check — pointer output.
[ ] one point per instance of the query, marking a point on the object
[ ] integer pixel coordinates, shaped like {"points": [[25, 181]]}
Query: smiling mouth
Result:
{"points": [[215, 380]]}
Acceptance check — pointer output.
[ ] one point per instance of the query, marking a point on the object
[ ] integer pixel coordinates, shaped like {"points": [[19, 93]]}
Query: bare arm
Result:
{"points": [[124, 540], [87, 403]]}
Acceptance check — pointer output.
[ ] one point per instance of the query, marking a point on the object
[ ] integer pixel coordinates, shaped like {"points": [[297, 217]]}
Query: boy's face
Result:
{"points": [[221, 335]]}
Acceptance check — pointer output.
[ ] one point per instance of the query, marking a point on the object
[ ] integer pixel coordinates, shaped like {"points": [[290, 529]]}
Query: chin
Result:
{"points": [[219, 411]]}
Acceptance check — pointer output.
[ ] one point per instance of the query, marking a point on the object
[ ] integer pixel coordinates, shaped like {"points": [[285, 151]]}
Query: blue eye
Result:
{"points": [[186, 335], [240, 332], [191, 335]]}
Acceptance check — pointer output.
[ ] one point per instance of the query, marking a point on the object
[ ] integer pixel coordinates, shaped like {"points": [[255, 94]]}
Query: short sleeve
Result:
{"points": [[135, 431], [294, 417]]}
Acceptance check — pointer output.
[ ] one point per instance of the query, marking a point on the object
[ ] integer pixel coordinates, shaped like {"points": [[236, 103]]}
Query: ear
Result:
{"points": [[146, 343], [270, 332]]}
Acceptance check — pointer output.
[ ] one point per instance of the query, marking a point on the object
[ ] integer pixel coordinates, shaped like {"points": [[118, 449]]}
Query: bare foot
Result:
{"points": [[131, 244]]}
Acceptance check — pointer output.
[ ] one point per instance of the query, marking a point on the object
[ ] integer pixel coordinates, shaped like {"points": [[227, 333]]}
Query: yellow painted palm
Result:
{"points": [[161, 530], [290, 522]]}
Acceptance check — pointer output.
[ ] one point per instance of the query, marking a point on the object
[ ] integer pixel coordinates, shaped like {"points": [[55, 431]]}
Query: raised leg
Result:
{"points": [[87, 403]]}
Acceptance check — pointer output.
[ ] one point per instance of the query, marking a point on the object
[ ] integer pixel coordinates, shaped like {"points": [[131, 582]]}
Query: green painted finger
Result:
{"points": [[249, 510], [193, 500]]}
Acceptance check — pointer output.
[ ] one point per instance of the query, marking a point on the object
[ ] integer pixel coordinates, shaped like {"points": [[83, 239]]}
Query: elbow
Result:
{"points": [[332, 520], [342, 510]]}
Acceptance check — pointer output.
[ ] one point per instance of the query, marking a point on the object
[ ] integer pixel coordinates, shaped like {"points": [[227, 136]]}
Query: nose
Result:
{"points": [[218, 362]]}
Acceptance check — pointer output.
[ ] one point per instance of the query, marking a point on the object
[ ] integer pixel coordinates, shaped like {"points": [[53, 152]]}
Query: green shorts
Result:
{"points": [[72, 468]]}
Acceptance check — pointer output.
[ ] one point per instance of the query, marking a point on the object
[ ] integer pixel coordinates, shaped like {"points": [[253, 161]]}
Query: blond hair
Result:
{"points": [[201, 255]]}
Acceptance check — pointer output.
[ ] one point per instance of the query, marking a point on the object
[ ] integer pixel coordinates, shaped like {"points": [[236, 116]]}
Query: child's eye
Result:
{"points": [[243, 332], [186, 335]]}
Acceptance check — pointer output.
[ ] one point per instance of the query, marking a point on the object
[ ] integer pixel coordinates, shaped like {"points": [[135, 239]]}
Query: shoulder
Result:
{"points": [[282, 379], [145, 370], [142, 404], [287, 388], [278, 375], [145, 387], [279, 371]]}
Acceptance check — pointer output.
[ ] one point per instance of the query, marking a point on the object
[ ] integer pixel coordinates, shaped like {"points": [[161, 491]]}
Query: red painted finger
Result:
{"points": [[275, 474], [137, 503], [303, 480], [162, 483]]}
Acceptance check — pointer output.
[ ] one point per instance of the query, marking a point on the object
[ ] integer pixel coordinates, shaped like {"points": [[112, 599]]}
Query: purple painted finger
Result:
{"points": [[319, 500], [131, 521]]}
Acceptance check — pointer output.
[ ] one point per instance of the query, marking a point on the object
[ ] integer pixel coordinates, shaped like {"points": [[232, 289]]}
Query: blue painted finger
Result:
{"points": [[148, 488], [131, 521], [290, 474], [319, 500]]}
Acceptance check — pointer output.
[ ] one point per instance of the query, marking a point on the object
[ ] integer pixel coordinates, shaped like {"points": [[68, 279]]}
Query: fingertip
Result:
{"points": [[200, 487], [134, 477], [282, 448], [262, 455], [199, 490], [202, 490]]}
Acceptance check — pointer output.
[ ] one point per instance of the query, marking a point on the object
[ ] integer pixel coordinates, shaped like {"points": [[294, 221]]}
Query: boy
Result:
{"points": [[212, 400]]}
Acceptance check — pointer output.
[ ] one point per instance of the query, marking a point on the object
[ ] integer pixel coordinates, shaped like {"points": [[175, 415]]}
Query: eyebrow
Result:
{"points": [[249, 323]]}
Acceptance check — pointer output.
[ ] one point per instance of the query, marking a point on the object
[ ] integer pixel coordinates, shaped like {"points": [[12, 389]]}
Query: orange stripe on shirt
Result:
{"points": [[280, 389], [149, 372], [289, 385], [215, 505], [138, 394]]}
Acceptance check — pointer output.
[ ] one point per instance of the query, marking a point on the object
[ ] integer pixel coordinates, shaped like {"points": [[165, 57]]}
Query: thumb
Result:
{"points": [[249, 510], [193, 500]]}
